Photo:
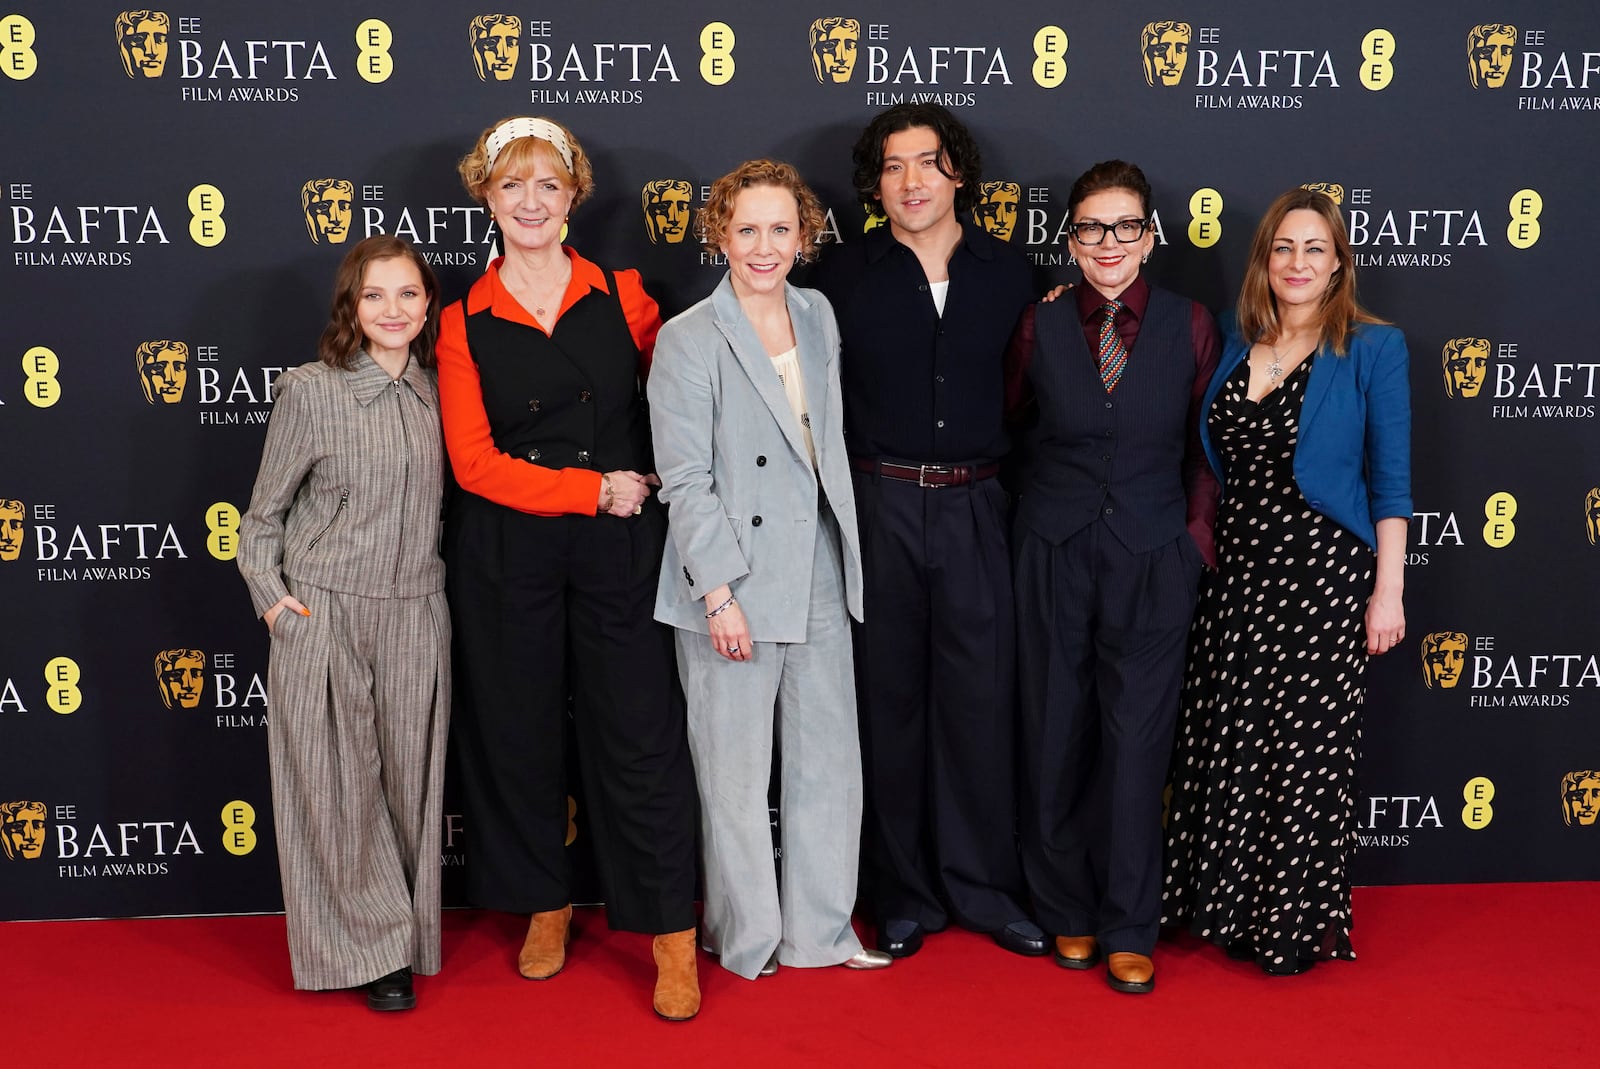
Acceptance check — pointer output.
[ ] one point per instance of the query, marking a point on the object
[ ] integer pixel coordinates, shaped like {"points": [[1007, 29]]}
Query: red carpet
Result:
{"points": [[1500, 975]]}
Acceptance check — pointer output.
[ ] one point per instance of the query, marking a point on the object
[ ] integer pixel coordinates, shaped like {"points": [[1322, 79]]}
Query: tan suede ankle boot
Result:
{"points": [[677, 981], [544, 951]]}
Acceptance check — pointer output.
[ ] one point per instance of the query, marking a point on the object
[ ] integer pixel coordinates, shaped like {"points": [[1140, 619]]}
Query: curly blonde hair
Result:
{"points": [[711, 223], [519, 157]]}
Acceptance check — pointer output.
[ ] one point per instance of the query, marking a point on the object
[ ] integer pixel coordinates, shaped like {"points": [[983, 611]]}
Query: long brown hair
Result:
{"points": [[342, 338], [1339, 312]]}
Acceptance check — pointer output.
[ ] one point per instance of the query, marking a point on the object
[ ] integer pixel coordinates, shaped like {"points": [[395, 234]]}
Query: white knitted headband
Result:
{"points": [[526, 126]]}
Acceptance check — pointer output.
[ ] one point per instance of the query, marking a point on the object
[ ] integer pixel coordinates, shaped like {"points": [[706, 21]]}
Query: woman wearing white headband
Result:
{"points": [[553, 551]]}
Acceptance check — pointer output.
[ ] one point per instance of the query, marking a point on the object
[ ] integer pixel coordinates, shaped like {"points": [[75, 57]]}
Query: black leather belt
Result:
{"points": [[927, 475]]}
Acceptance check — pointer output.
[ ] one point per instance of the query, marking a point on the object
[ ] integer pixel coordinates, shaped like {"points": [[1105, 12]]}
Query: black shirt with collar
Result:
{"points": [[919, 386]]}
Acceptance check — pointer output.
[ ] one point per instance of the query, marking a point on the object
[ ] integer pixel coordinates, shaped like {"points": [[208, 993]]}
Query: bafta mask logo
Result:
{"points": [[1489, 54], [666, 210], [326, 203], [12, 513], [1165, 46], [833, 49], [1466, 365], [142, 40], [181, 676], [1332, 190], [875, 217], [1444, 658], [22, 830], [996, 210], [1591, 520], [163, 370], [496, 44], [1580, 797]]}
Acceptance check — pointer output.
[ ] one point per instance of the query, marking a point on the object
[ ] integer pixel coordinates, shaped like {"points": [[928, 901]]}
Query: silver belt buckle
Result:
{"points": [[924, 469]]}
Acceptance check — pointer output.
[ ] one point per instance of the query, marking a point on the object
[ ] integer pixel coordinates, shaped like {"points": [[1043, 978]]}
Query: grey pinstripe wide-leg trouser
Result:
{"points": [[359, 697]]}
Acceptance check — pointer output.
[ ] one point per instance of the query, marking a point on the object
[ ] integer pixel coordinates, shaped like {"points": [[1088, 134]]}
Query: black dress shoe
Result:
{"points": [[1293, 967], [1022, 937], [392, 992], [900, 938]]}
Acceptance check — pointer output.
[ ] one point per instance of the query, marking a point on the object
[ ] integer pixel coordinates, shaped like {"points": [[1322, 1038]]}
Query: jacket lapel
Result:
{"points": [[753, 360], [1323, 369]]}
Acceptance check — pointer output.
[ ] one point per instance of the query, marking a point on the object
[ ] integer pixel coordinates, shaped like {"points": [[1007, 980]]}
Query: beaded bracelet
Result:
{"points": [[720, 609]]}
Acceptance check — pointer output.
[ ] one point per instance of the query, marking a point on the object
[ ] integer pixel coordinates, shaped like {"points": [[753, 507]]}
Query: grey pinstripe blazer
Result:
{"points": [[734, 467], [347, 496]]}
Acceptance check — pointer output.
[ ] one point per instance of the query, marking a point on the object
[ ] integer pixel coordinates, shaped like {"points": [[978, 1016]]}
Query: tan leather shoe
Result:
{"points": [[677, 980], [1132, 974], [544, 951], [1077, 951]]}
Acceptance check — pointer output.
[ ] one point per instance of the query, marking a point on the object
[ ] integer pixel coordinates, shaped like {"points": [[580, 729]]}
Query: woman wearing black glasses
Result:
{"points": [[1113, 526]]}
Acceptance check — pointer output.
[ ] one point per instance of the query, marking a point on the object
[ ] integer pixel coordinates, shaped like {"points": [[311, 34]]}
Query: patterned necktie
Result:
{"points": [[1113, 353]]}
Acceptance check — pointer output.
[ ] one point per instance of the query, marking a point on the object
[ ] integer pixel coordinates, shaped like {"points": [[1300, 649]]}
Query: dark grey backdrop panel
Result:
{"points": [[166, 205]]}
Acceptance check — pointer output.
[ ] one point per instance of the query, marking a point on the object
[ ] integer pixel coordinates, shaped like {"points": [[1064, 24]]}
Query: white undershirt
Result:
{"points": [[787, 365], [939, 291]]}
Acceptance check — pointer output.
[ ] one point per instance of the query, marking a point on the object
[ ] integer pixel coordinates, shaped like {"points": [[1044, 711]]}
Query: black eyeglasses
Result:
{"points": [[1093, 233]]}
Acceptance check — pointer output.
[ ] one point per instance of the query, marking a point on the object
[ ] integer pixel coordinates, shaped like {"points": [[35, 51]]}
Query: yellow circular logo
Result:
{"points": [[238, 828], [222, 520], [1478, 792], [1523, 230], [1205, 218], [716, 53], [61, 675], [1376, 69], [373, 62], [1050, 56], [1500, 510]]}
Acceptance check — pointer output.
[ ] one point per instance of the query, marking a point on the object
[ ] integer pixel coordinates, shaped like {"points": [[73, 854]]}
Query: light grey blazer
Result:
{"points": [[734, 467]]}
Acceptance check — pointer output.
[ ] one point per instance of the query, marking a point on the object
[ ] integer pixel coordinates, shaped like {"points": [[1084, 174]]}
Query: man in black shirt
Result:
{"points": [[926, 306]]}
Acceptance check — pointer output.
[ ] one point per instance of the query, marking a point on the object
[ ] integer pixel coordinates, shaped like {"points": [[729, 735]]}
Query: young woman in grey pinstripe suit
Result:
{"points": [[340, 550]]}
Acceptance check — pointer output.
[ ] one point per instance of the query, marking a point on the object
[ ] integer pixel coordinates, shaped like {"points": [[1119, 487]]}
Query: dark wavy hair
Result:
{"points": [[959, 152], [1110, 174], [342, 338]]}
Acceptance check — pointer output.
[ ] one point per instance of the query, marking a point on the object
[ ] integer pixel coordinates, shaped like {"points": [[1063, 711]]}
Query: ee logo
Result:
{"points": [[1376, 70], [39, 369], [716, 53], [1477, 813], [238, 828], [1050, 56], [17, 57], [61, 675], [1205, 218], [1523, 230], [1500, 509], [222, 520], [374, 39], [206, 225]]}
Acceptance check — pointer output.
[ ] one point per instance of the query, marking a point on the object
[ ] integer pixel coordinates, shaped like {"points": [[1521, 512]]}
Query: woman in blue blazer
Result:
{"points": [[1308, 427], [761, 575]]}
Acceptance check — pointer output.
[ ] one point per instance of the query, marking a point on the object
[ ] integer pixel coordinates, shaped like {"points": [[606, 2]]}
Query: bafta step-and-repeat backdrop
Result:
{"points": [[177, 186]]}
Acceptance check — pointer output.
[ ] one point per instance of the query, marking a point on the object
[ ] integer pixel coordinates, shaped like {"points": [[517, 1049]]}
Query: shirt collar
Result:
{"points": [[367, 380], [1135, 299], [489, 293], [973, 238]]}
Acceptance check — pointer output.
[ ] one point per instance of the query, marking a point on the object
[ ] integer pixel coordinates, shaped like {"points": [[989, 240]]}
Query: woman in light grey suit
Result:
{"points": [[759, 579]]}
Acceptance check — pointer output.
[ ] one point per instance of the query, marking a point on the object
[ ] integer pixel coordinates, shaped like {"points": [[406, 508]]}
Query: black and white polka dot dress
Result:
{"points": [[1259, 833]]}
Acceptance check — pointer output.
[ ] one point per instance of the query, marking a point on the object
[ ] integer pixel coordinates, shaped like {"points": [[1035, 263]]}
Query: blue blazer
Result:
{"points": [[1353, 459]]}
